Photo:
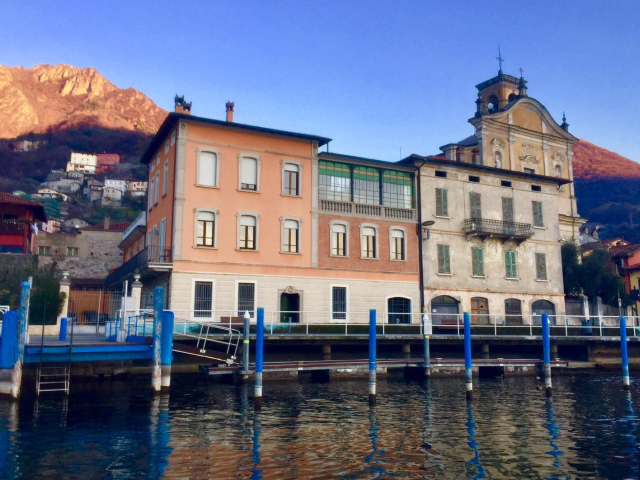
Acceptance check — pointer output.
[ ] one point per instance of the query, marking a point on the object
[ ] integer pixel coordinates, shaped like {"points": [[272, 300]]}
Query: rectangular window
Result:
{"points": [[339, 303], [476, 206], [339, 240], [249, 173], [366, 185], [291, 180], [397, 245], [157, 189], [207, 169], [441, 174], [166, 147], [474, 179], [529, 170], [334, 182], [536, 188], [397, 189], [444, 264], [505, 183], [203, 299], [477, 257], [173, 138], [507, 209], [165, 178], [369, 242], [247, 232], [44, 251], [442, 202], [541, 266], [150, 194], [538, 219], [205, 229], [246, 298], [72, 251], [511, 265], [290, 243]]}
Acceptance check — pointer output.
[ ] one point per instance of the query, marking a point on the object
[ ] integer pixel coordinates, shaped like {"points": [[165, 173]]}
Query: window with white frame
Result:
{"points": [[165, 178], [157, 189], [339, 239], [338, 303], [208, 168], [247, 232], [291, 179], [206, 228], [249, 168], [397, 240], [203, 299], [368, 241], [290, 235], [246, 298]]}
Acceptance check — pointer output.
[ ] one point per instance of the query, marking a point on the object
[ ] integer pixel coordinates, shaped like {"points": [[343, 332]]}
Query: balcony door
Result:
{"points": [[508, 215]]}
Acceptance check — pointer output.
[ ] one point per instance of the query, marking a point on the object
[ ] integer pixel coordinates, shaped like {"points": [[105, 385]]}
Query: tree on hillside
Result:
{"points": [[594, 277]]}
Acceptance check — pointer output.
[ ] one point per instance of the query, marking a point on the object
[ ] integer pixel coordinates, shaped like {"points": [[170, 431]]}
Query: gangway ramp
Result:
{"points": [[213, 341]]}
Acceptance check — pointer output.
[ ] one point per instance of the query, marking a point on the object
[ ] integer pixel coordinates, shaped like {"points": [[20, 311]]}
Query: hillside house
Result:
{"points": [[18, 217]]}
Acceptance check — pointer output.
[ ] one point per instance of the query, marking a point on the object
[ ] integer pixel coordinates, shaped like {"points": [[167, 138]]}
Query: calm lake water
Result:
{"points": [[326, 430]]}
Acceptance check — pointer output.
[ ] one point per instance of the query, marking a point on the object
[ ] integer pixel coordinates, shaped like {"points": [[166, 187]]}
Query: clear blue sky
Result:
{"points": [[376, 77]]}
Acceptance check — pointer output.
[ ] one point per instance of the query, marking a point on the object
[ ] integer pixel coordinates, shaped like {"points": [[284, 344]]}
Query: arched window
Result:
{"points": [[247, 232], [290, 235], [206, 227], [397, 240], [512, 97], [399, 310], [291, 179], [339, 240], [249, 173], [444, 310], [369, 242], [492, 104], [539, 307], [208, 169], [480, 310], [513, 311]]}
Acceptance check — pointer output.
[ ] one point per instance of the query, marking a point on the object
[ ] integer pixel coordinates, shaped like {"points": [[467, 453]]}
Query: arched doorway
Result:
{"points": [[480, 310], [399, 310], [542, 306], [290, 305], [513, 311], [444, 310]]}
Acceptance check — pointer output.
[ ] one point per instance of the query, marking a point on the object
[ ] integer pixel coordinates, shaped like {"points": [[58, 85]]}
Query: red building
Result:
{"points": [[17, 215], [107, 161]]}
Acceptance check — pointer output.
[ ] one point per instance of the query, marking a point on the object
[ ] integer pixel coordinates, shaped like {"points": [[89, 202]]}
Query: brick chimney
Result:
{"points": [[107, 222], [230, 106], [182, 106]]}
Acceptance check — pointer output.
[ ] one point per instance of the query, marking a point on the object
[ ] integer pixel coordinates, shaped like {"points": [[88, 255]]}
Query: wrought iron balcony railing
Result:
{"points": [[14, 227], [485, 227], [154, 258]]}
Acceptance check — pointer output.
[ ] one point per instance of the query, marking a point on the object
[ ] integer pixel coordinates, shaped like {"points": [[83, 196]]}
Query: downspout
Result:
{"points": [[420, 247]]}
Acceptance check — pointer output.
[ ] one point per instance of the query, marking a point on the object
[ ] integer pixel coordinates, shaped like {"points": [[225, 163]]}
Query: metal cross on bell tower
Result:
{"points": [[500, 59]]}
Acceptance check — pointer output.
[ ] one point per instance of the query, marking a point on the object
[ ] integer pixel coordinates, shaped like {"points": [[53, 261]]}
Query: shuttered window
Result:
{"points": [[207, 169], [444, 264], [248, 173], [507, 209], [541, 266], [511, 265], [442, 202], [477, 257], [476, 206], [538, 219]]}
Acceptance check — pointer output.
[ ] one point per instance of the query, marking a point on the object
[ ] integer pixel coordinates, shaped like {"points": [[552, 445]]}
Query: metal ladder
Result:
{"points": [[53, 378]]}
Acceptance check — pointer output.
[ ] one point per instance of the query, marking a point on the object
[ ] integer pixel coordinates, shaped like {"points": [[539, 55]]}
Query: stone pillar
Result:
{"points": [[406, 350], [326, 352], [485, 351], [136, 294], [65, 287], [599, 313]]}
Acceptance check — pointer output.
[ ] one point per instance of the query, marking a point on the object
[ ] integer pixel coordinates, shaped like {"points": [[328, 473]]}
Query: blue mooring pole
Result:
{"points": [[546, 350], [257, 396], [468, 367], [63, 329], [372, 357], [166, 349], [158, 309], [624, 353]]}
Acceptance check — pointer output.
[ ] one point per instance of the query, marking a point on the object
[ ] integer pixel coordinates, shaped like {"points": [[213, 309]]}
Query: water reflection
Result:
{"points": [[374, 459], [474, 467], [8, 429], [630, 421], [159, 436], [554, 431], [256, 471]]}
